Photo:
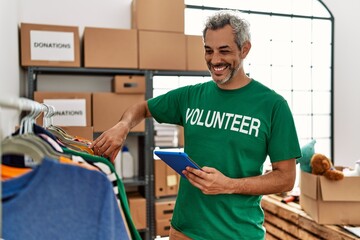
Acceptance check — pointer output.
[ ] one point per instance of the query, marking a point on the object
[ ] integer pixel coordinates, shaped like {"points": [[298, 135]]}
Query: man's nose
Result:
{"points": [[216, 59]]}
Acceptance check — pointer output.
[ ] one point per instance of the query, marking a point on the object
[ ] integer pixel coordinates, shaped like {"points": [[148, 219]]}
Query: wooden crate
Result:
{"points": [[289, 221]]}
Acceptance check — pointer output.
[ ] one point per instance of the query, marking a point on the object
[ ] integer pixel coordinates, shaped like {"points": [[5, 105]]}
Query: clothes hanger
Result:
{"points": [[19, 146], [60, 133], [65, 138], [27, 142]]}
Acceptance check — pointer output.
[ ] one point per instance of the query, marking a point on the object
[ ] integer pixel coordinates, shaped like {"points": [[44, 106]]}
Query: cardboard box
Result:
{"points": [[158, 15], [330, 202], [109, 107], [49, 45], [110, 48], [162, 227], [137, 205], [162, 50], [195, 54], [129, 84], [164, 209], [166, 179], [84, 132], [69, 114]]}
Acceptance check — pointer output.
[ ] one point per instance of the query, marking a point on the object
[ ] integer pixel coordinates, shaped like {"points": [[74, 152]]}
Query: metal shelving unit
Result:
{"points": [[144, 138], [147, 139]]}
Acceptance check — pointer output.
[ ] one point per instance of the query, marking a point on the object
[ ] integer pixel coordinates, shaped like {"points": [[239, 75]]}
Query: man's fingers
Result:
{"points": [[100, 147], [96, 141], [114, 154]]}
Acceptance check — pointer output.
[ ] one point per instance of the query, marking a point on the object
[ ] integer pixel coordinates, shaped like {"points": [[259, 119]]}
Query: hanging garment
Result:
{"points": [[60, 201], [8, 172], [119, 188]]}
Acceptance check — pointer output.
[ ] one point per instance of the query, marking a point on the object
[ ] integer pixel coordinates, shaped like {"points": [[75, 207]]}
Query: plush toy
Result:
{"points": [[354, 172], [307, 151], [321, 165]]}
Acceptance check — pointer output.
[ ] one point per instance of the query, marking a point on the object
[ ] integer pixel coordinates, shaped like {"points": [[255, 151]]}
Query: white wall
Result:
{"points": [[116, 14], [92, 13], [347, 81], [9, 63]]}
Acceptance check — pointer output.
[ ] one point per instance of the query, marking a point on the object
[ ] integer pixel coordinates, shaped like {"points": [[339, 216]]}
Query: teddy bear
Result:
{"points": [[321, 165]]}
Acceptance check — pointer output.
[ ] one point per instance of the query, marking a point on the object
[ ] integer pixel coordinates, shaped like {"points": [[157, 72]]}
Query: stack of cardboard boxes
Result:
{"points": [[166, 189], [163, 213], [155, 42]]}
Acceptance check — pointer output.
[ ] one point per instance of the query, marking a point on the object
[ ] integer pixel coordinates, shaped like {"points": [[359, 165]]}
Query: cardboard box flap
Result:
{"points": [[309, 184], [346, 190]]}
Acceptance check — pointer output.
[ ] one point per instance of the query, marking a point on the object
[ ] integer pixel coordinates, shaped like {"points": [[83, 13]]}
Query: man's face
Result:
{"points": [[222, 55]]}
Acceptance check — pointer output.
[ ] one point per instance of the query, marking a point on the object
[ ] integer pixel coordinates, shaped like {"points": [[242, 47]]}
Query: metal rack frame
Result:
{"points": [[145, 181], [148, 181]]}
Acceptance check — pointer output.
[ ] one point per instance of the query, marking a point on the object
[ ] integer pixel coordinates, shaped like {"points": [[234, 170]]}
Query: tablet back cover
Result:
{"points": [[176, 160]]}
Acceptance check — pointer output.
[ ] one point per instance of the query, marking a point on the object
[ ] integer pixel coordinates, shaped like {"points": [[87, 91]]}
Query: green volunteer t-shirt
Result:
{"points": [[232, 131]]}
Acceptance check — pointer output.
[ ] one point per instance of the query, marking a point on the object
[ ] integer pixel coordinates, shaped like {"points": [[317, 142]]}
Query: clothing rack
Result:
{"points": [[20, 104], [114, 193]]}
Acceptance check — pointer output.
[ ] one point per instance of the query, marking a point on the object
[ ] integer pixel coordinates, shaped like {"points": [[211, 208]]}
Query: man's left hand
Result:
{"points": [[209, 180]]}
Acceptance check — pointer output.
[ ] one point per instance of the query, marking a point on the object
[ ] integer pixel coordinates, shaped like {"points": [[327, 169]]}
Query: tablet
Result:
{"points": [[176, 160]]}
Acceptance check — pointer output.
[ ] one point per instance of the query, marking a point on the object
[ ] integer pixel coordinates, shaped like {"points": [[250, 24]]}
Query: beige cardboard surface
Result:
{"points": [[166, 179], [137, 205], [158, 15], [25, 42], [195, 54], [129, 84], [347, 190], [162, 227], [164, 209], [160, 178], [330, 202], [162, 50], [110, 48], [172, 181], [109, 107], [39, 96]]}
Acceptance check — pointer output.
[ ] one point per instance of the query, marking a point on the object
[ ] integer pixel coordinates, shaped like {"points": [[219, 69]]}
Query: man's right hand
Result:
{"points": [[110, 142]]}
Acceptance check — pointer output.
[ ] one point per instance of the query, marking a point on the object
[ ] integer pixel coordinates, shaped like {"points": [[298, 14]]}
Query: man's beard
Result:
{"points": [[233, 71]]}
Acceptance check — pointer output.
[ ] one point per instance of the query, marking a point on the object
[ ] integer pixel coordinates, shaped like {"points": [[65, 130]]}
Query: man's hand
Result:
{"points": [[110, 142], [209, 180]]}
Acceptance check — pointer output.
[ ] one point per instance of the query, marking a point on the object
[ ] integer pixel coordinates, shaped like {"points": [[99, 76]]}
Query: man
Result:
{"points": [[231, 124]]}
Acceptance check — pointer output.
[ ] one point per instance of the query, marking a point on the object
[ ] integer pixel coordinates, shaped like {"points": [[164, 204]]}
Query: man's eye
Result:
{"points": [[224, 51], [208, 51]]}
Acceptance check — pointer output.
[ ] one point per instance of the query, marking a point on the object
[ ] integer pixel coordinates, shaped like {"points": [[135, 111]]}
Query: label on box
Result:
{"points": [[52, 46], [68, 112], [171, 180]]}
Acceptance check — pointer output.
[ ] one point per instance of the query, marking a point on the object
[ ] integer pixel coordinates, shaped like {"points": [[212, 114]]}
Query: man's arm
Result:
{"points": [[109, 143], [211, 181]]}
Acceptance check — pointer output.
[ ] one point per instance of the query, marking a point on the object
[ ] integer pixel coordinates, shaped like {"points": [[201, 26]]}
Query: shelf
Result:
{"points": [[180, 73], [32, 73], [85, 71], [144, 138], [137, 181], [146, 179]]}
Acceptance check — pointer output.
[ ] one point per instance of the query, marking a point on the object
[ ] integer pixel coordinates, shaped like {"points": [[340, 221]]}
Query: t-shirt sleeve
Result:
{"points": [[283, 142], [166, 108]]}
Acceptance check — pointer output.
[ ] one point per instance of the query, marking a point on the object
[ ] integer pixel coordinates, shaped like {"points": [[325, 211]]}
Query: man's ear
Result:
{"points": [[245, 49]]}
